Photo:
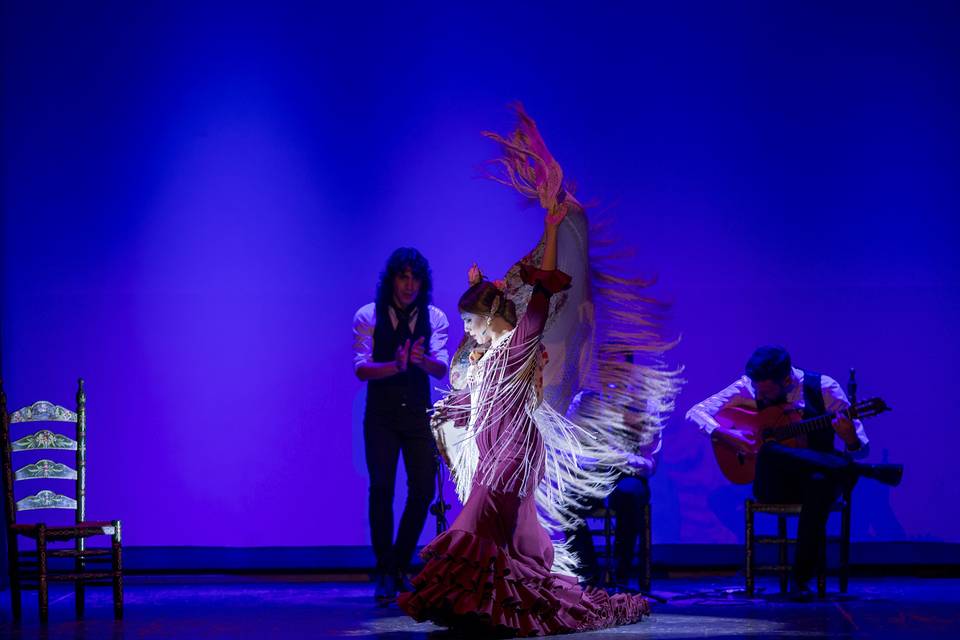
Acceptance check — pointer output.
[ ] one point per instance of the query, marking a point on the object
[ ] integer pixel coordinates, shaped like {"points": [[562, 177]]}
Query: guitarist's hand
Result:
{"points": [[847, 432], [744, 441]]}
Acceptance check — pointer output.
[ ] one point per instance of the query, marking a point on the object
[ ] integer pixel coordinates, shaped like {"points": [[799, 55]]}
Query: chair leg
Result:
{"points": [[748, 546], [79, 596], [783, 557], [647, 551], [42, 594], [822, 581], [822, 573], [117, 572], [844, 568], [13, 558], [79, 588], [608, 548]]}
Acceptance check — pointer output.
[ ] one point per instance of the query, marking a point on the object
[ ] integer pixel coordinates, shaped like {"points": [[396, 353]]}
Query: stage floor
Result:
{"points": [[316, 607]]}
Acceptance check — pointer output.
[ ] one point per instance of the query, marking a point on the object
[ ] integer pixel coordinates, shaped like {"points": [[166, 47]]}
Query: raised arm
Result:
{"points": [[551, 223], [546, 280]]}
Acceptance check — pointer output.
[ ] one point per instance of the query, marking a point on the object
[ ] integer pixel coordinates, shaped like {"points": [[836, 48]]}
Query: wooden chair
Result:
{"points": [[608, 517], [33, 569], [784, 511]]}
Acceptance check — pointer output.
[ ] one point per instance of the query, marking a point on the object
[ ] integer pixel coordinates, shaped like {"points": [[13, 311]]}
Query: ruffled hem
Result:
{"points": [[472, 585], [552, 281]]}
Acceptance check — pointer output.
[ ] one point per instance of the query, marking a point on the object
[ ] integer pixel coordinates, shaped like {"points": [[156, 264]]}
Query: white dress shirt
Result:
{"points": [[741, 394], [365, 320]]}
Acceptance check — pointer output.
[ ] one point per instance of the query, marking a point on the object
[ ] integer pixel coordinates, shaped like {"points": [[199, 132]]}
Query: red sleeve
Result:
{"points": [[545, 284], [551, 281]]}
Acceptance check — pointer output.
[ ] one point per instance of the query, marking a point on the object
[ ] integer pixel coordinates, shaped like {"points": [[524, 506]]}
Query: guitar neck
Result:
{"points": [[803, 427]]}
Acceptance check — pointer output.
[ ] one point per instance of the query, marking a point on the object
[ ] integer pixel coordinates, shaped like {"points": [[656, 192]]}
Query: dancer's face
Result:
{"points": [[476, 327], [406, 288]]}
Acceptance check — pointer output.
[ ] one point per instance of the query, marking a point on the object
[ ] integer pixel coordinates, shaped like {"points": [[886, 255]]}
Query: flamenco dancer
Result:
{"points": [[521, 467]]}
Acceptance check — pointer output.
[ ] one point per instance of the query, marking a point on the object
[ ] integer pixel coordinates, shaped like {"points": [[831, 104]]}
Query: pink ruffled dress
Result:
{"points": [[490, 572]]}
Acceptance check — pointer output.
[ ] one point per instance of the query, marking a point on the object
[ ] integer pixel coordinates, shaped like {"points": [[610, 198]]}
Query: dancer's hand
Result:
{"points": [[556, 214], [417, 352], [474, 275], [403, 356], [439, 415]]}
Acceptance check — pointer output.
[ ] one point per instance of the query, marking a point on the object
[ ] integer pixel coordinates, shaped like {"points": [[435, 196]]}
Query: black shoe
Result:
{"points": [[800, 591], [889, 474], [386, 590], [403, 583]]}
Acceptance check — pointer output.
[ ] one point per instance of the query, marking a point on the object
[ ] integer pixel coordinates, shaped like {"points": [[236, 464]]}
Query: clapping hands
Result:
{"points": [[403, 356], [410, 353], [417, 352]]}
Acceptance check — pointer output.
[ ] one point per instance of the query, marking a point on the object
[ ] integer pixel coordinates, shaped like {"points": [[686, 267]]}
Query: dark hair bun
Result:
{"points": [[484, 298]]}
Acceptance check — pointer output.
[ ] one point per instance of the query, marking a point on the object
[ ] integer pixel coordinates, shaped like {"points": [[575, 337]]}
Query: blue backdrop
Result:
{"points": [[197, 197]]}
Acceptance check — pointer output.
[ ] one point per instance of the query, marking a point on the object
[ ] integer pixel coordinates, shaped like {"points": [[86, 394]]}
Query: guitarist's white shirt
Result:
{"points": [[741, 394]]}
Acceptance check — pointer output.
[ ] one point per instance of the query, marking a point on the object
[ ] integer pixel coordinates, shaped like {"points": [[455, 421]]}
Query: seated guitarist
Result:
{"points": [[814, 474]]}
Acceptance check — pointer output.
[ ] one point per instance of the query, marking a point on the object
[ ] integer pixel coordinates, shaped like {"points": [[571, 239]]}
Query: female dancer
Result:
{"points": [[496, 570], [522, 468]]}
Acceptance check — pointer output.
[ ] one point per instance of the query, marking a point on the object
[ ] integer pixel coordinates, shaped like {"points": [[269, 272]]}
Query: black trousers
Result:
{"points": [[813, 479], [386, 433], [628, 500]]}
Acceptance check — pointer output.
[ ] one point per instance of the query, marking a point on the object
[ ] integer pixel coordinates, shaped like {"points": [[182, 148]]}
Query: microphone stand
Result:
{"points": [[440, 507]]}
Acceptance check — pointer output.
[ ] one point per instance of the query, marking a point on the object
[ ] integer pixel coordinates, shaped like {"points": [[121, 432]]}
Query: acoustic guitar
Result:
{"points": [[777, 424]]}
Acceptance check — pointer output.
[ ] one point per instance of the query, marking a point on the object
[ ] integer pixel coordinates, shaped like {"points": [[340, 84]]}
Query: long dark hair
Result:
{"points": [[485, 299], [398, 262]]}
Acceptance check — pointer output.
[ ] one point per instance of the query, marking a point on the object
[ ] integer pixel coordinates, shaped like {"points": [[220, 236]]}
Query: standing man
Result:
{"points": [[814, 475], [399, 342]]}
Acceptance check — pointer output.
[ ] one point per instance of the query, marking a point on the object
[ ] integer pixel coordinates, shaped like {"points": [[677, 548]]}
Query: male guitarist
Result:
{"points": [[811, 473]]}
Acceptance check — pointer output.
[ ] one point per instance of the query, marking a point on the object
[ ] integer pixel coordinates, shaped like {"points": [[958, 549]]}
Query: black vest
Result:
{"points": [[813, 406], [410, 388]]}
